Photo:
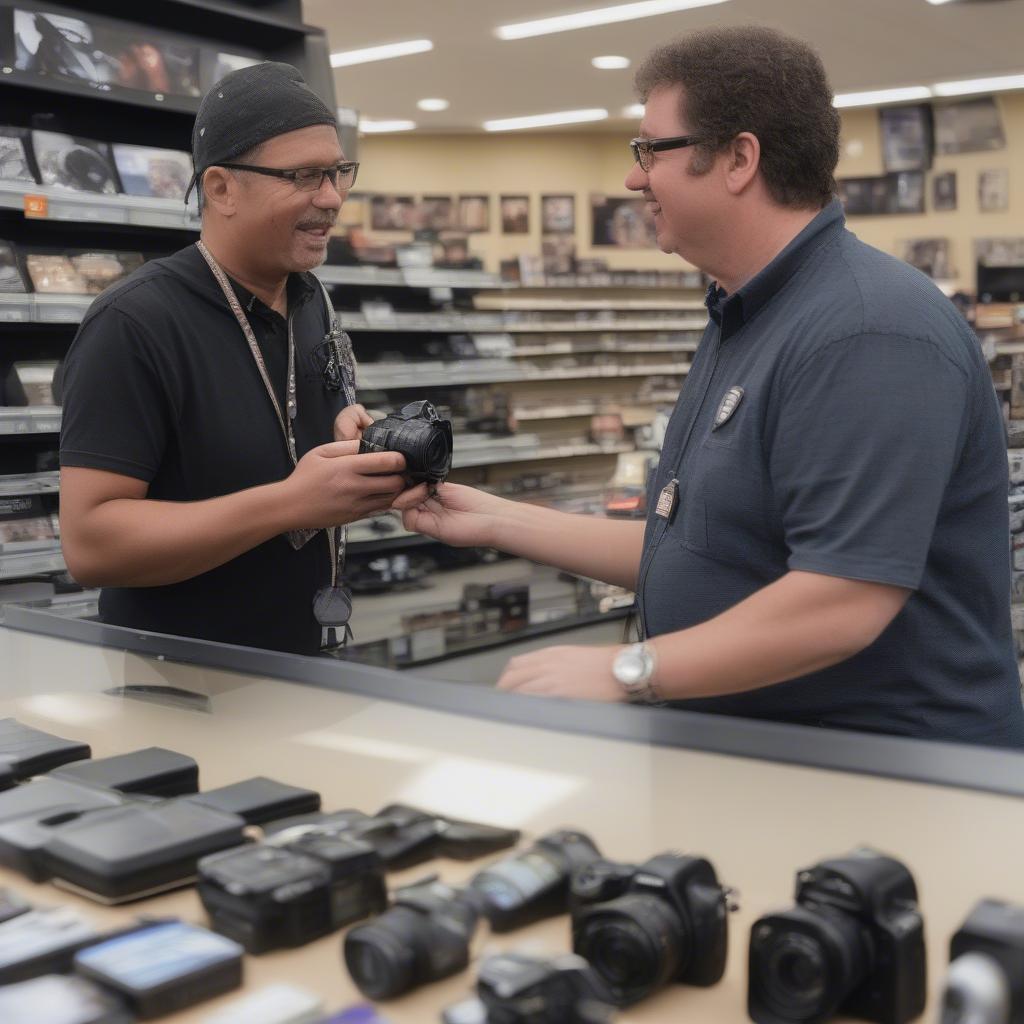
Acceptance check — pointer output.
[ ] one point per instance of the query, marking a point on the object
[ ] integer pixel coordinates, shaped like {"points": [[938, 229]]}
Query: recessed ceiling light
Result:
{"points": [[970, 85], [436, 104], [633, 110], [601, 16], [870, 99], [345, 58], [610, 63], [510, 124], [371, 127]]}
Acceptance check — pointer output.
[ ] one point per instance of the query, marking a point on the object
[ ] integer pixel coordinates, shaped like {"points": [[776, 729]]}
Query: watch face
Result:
{"points": [[629, 668]]}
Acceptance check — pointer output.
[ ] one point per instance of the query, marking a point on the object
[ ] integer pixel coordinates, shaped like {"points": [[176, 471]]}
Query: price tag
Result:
{"points": [[37, 207]]}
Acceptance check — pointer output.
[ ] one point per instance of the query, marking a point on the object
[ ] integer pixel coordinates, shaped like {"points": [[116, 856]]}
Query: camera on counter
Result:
{"points": [[985, 983], [533, 884], [417, 432], [513, 988], [424, 937], [853, 944], [642, 928]]}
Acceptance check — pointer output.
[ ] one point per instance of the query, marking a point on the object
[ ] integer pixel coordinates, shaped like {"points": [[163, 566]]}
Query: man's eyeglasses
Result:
{"points": [[306, 179], [644, 149]]}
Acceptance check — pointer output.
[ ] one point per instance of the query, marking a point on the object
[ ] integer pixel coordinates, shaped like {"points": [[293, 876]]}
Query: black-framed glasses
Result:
{"points": [[644, 149], [307, 179]]}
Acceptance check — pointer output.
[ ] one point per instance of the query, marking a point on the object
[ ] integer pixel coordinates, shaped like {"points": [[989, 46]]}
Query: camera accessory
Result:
{"points": [[259, 800], [516, 989], [599, 882], [57, 999], [81, 164], [274, 1004], [424, 937], [985, 984], [14, 162], [419, 433], [670, 926], [42, 942], [26, 751], [153, 172], [164, 968], [533, 884], [140, 848], [853, 944], [153, 770]]}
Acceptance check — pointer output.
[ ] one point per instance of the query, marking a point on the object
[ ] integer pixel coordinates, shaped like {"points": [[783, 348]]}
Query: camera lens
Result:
{"points": [[381, 963], [636, 943], [803, 965]]}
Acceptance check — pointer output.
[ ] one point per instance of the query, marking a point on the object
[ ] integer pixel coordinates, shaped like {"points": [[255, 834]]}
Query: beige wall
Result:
{"points": [[582, 163]]}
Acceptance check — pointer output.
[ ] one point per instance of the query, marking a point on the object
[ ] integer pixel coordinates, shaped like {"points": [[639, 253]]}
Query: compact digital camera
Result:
{"points": [[419, 433]]}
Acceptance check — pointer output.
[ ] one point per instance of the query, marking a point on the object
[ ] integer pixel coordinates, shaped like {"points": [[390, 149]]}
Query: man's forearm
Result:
{"points": [[139, 542], [800, 624], [602, 549]]}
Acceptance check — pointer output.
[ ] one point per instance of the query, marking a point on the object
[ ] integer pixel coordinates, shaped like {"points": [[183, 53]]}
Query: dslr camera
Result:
{"points": [[419, 433], [424, 937], [645, 927], [853, 944], [516, 989], [985, 984]]}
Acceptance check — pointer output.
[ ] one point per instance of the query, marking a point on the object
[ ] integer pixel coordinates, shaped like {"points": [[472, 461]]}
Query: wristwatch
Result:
{"points": [[633, 668]]}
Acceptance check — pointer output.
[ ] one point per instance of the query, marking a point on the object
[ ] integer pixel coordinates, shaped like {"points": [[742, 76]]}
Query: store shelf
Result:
{"points": [[428, 277], [565, 412], [513, 304], [470, 323], [44, 309], [497, 456], [31, 563], [414, 375], [29, 483], [565, 348], [90, 208], [29, 419]]}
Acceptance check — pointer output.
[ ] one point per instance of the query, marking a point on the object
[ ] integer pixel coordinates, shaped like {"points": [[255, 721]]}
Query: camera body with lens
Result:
{"points": [[667, 922], [853, 944], [417, 432], [424, 937], [985, 983], [514, 988]]}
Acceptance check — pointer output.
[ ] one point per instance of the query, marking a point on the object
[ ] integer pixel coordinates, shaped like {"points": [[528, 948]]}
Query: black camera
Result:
{"points": [[853, 944], [534, 884], [419, 433], [985, 984], [670, 924], [266, 897], [424, 937], [516, 989]]}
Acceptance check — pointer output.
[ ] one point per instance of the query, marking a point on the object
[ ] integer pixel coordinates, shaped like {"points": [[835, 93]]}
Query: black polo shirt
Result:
{"points": [[867, 444], [160, 385]]}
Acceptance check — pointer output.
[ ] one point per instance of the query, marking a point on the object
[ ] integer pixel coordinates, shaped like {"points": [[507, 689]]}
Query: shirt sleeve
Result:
{"points": [[116, 412], [869, 432]]}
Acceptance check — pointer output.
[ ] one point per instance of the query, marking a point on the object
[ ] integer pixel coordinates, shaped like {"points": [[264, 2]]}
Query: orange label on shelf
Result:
{"points": [[37, 206]]}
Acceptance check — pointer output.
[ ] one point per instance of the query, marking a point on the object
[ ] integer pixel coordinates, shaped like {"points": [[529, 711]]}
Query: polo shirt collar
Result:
{"points": [[300, 288], [731, 312]]}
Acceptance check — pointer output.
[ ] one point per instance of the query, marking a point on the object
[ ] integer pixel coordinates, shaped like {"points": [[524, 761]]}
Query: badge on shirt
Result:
{"points": [[729, 405]]}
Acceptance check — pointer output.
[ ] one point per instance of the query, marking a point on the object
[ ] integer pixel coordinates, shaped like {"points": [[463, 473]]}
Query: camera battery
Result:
{"points": [[260, 800], [42, 942], [138, 849], [25, 751], [154, 771], [56, 999], [165, 968]]}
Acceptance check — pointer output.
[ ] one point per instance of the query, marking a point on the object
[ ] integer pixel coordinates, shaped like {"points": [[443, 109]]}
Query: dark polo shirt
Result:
{"points": [[868, 445], [160, 385]]}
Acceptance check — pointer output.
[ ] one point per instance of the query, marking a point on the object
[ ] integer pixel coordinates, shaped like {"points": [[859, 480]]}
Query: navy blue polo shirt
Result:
{"points": [[867, 444]]}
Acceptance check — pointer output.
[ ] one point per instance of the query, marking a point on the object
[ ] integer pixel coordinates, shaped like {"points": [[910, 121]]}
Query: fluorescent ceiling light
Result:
{"points": [[610, 63], [869, 99], [436, 104], [371, 127], [937, 2], [601, 16], [510, 124], [347, 57], [979, 85], [633, 110]]}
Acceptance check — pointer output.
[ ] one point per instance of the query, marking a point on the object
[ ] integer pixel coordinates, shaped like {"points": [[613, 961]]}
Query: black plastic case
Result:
{"points": [[260, 800], [165, 968], [153, 770], [137, 849], [25, 751]]}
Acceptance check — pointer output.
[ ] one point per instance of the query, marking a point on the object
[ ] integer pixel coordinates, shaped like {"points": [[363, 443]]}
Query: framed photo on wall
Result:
{"points": [[620, 221], [944, 191], [475, 213], [392, 213], [906, 192], [969, 126], [993, 190], [515, 215], [930, 255], [436, 213], [906, 137], [558, 215]]}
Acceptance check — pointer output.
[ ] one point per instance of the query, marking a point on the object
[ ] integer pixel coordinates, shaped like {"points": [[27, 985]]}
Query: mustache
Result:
{"points": [[317, 222]]}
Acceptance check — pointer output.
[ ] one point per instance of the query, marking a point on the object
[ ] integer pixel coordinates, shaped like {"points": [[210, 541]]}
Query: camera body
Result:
{"points": [[667, 923], [424, 937], [419, 433], [853, 944], [986, 976], [513, 988]]}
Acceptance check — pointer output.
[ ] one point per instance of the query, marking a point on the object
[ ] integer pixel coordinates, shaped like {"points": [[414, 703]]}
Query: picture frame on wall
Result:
{"points": [[906, 192], [436, 213], [558, 215], [392, 213], [968, 126], [930, 255], [353, 211], [864, 197], [993, 190], [906, 137], [475, 213], [944, 191], [621, 221], [515, 215]]}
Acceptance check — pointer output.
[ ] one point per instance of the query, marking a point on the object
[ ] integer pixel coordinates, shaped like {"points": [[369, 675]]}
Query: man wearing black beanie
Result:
{"points": [[210, 432]]}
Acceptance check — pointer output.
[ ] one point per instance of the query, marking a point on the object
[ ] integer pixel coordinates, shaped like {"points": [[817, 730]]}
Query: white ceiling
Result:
{"points": [[866, 44]]}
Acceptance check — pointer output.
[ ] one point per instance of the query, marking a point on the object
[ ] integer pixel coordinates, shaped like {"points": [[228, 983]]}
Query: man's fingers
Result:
{"points": [[411, 498], [383, 486], [335, 449]]}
